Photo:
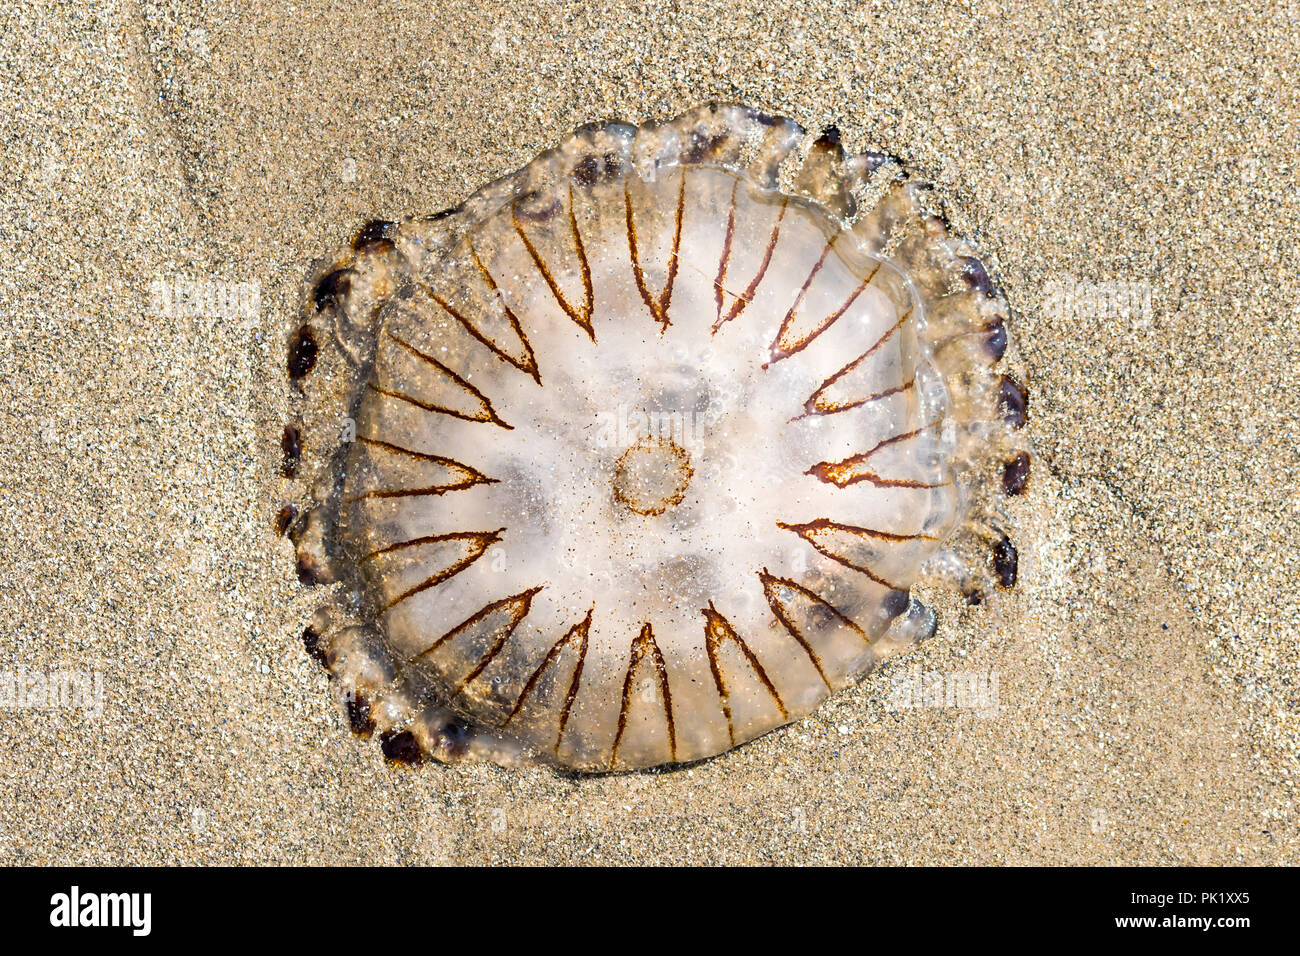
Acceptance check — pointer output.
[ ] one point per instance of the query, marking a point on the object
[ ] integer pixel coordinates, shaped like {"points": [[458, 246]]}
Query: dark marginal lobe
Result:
{"points": [[291, 450], [302, 353]]}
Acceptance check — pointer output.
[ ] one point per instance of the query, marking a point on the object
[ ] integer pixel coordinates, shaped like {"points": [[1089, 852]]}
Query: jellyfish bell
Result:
{"points": [[633, 456]]}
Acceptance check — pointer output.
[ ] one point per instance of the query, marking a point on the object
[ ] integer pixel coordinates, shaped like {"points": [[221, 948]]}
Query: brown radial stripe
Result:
{"points": [[716, 628], [779, 613], [581, 316], [482, 540], [588, 292], [815, 405], [893, 440], [823, 524], [658, 306], [644, 642], [845, 473], [472, 475], [527, 365], [766, 577], [523, 602], [509, 313], [778, 351], [429, 407], [488, 410], [579, 631], [726, 255], [526, 599], [806, 531], [745, 297]]}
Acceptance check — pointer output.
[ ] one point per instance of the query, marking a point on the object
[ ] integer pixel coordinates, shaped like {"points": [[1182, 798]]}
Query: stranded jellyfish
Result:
{"points": [[637, 453]]}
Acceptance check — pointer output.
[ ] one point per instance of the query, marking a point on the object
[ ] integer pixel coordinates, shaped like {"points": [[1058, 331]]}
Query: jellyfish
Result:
{"points": [[638, 453]]}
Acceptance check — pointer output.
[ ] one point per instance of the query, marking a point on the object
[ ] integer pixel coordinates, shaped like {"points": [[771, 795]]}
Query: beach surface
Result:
{"points": [[1130, 174]]}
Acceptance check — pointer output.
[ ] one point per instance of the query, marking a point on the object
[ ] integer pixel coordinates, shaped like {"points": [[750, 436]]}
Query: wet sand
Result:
{"points": [[1131, 175]]}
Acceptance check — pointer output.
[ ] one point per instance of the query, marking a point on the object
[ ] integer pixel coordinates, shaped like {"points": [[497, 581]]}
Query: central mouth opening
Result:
{"points": [[652, 476]]}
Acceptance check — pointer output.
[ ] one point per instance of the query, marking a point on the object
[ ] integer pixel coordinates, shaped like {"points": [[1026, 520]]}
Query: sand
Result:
{"points": [[1145, 667]]}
